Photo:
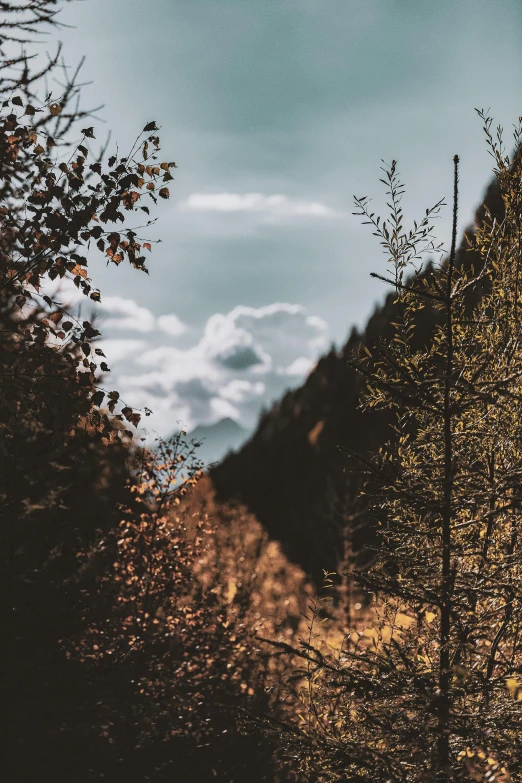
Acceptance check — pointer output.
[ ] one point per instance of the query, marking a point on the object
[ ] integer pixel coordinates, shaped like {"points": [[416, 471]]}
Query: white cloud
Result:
{"points": [[240, 390], [222, 409], [126, 314], [300, 366], [67, 294], [243, 361], [171, 324], [115, 350], [285, 331], [117, 312], [276, 206], [230, 345], [317, 322], [268, 311], [120, 313]]}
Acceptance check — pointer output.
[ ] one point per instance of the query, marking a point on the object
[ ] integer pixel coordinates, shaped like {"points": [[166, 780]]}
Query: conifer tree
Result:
{"points": [[430, 690]]}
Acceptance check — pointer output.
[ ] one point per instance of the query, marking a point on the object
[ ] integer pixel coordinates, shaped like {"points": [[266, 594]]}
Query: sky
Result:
{"points": [[276, 113]]}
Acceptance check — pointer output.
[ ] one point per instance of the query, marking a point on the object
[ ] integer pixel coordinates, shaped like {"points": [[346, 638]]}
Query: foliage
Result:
{"points": [[129, 600], [63, 457], [429, 691], [127, 609], [169, 659]]}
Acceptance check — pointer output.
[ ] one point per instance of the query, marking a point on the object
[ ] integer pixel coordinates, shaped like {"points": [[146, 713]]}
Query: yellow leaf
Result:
{"points": [[512, 685]]}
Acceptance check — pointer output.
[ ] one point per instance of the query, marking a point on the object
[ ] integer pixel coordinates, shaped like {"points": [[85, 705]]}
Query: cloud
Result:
{"points": [[226, 343], [285, 331], [241, 361], [202, 402], [116, 350], [120, 313], [171, 324], [244, 360], [117, 312], [275, 206], [126, 314], [239, 390], [300, 366]]}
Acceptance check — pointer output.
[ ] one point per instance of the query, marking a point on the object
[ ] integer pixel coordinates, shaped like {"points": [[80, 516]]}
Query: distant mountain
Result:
{"points": [[291, 473], [218, 439]]}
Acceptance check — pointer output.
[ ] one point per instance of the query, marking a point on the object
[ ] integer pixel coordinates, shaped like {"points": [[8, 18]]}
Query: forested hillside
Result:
{"points": [[430, 689], [292, 473]]}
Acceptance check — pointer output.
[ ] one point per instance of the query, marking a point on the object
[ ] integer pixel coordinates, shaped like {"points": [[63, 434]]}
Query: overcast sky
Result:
{"points": [[277, 112]]}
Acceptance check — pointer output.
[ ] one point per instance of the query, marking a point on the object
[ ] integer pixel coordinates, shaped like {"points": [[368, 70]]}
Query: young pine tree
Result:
{"points": [[430, 692]]}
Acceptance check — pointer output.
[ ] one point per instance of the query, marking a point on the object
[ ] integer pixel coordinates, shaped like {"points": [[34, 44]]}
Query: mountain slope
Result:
{"points": [[291, 473]]}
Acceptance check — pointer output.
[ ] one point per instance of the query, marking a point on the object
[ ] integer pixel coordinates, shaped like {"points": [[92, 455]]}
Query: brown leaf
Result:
{"points": [[79, 270], [97, 398]]}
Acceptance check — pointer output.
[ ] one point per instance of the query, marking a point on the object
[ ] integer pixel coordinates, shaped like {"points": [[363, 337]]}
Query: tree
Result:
{"points": [[429, 691], [63, 457], [168, 660], [125, 611]]}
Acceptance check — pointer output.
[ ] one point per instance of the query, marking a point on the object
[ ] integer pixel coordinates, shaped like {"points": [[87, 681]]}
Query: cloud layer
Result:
{"points": [[240, 361], [125, 314], [243, 361], [275, 206]]}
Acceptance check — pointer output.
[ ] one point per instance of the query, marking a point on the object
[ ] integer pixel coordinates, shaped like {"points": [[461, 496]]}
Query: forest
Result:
{"points": [[341, 600]]}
